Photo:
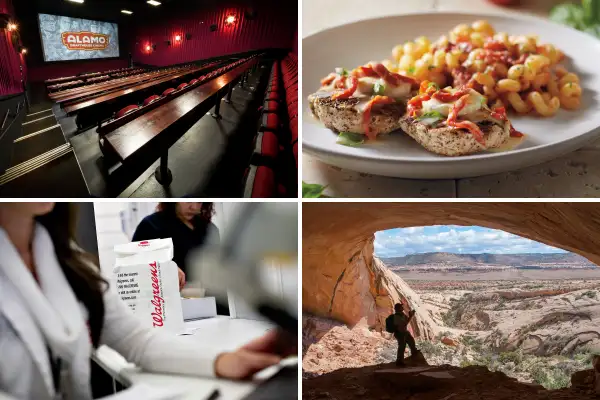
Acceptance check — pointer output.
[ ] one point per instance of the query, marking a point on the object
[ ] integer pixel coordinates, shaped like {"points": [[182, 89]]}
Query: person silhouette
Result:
{"points": [[401, 333]]}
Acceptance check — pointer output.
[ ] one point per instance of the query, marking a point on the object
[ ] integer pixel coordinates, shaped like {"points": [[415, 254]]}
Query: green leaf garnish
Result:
{"points": [[434, 117], [379, 88], [433, 85], [312, 190], [585, 17], [412, 70], [350, 139], [569, 14], [342, 71]]}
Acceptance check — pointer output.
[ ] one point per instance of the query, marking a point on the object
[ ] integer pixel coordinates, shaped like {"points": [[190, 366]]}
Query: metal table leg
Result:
{"points": [[163, 174], [216, 114], [228, 99]]}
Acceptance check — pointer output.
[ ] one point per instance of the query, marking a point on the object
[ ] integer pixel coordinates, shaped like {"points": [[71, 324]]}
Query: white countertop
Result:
{"points": [[574, 175], [221, 332]]}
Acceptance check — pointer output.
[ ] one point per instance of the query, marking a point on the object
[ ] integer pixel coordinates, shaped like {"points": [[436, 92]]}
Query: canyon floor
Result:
{"points": [[531, 336]]}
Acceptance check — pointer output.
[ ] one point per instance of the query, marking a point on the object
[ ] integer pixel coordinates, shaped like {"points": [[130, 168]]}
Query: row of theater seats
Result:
{"points": [[95, 78], [138, 75], [173, 92], [271, 172]]}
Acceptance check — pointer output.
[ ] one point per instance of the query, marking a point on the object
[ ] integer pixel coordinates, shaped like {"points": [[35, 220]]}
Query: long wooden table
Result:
{"points": [[137, 144], [97, 89], [85, 76], [75, 107]]}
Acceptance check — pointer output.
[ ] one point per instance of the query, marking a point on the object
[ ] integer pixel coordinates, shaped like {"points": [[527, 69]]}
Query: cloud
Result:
{"points": [[454, 239]]}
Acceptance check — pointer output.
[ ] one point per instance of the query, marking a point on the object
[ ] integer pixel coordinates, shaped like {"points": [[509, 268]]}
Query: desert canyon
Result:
{"points": [[488, 327]]}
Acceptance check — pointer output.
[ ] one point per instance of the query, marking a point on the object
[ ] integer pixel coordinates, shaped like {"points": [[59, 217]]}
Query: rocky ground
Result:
{"points": [[418, 381], [530, 336]]}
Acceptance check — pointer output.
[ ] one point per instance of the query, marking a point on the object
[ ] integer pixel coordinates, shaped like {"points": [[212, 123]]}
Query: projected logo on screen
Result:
{"points": [[85, 40]]}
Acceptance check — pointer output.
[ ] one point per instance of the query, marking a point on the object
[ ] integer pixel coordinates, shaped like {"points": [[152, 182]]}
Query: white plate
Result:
{"points": [[397, 154]]}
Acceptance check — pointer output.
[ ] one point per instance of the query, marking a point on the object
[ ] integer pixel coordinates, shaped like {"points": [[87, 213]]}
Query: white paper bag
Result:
{"points": [[147, 280]]}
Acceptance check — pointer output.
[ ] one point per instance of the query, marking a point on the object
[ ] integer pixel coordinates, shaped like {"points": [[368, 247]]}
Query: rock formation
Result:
{"points": [[342, 280]]}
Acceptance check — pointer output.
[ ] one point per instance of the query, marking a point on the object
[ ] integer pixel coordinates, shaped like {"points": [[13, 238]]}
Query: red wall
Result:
{"points": [[57, 70], [273, 27], [10, 58]]}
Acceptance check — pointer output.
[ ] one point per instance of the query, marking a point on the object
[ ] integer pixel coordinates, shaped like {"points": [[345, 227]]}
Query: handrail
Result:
{"points": [[4, 120]]}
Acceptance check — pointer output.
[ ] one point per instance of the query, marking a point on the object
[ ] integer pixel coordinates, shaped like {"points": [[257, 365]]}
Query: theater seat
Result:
{"points": [[168, 91], [270, 107], [193, 81], [182, 86], [270, 122], [151, 99], [267, 144], [127, 110], [260, 182]]}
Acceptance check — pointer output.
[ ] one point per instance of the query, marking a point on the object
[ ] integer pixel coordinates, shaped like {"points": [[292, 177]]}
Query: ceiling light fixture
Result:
{"points": [[76, 1], [230, 19], [178, 38], [153, 2], [12, 27], [127, 12], [24, 51], [148, 48]]}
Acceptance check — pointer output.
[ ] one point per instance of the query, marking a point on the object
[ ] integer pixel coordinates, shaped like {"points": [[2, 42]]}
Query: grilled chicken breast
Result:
{"points": [[344, 115], [449, 141]]}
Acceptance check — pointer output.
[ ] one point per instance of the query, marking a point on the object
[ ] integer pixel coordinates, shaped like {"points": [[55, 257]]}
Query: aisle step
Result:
{"points": [[34, 144], [32, 164]]}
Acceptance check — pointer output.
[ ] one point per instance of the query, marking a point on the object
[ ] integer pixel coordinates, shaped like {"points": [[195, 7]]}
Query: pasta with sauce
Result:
{"points": [[514, 71]]}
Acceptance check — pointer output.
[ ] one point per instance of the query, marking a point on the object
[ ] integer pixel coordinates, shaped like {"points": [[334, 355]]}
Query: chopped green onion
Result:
{"points": [[379, 88], [412, 70], [350, 139], [312, 190]]}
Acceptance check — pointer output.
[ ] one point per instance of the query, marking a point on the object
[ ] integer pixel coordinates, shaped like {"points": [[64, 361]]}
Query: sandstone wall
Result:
{"points": [[342, 280]]}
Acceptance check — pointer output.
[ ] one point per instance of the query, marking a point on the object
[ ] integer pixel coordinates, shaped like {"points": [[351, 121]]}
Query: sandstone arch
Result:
{"points": [[341, 278]]}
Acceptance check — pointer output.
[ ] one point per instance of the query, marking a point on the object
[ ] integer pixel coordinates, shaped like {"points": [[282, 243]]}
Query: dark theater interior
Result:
{"points": [[157, 98]]}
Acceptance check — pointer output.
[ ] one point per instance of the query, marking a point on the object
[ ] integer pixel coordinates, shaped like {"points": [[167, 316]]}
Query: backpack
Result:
{"points": [[389, 324]]}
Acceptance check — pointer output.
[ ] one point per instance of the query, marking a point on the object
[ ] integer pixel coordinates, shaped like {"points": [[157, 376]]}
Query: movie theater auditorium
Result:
{"points": [[136, 98]]}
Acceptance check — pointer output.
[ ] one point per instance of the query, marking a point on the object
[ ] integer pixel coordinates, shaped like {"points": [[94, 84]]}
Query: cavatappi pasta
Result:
{"points": [[516, 72]]}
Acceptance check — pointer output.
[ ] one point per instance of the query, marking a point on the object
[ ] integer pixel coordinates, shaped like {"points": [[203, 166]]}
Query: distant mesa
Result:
{"points": [[486, 260]]}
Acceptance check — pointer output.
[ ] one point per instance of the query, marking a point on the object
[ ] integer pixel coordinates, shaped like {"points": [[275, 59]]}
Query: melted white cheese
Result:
{"points": [[475, 103]]}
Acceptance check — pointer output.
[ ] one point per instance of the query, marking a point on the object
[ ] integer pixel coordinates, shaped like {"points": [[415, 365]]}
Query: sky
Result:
{"points": [[454, 239]]}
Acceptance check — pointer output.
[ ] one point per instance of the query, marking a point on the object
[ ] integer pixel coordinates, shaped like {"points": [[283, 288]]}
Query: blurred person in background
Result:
{"points": [[189, 225], [56, 308]]}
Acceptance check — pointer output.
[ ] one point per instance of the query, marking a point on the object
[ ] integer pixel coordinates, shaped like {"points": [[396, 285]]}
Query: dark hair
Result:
{"points": [[398, 305], [79, 267], [207, 211]]}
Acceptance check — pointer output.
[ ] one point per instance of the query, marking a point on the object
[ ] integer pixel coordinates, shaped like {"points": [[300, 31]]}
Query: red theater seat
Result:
{"points": [[127, 110], [193, 81], [270, 122], [270, 107], [260, 182], [151, 99], [267, 144], [168, 91], [182, 86]]}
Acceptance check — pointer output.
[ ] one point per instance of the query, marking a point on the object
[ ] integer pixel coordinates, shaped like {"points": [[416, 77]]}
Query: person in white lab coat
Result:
{"points": [[55, 309]]}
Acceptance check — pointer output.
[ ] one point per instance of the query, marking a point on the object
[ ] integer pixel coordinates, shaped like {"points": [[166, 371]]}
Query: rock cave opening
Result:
{"points": [[523, 317]]}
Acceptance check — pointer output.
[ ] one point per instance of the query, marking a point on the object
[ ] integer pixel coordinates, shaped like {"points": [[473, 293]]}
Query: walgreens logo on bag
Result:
{"points": [[158, 316]]}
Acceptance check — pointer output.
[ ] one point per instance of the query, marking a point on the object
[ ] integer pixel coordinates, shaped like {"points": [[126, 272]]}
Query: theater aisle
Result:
{"points": [[42, 163], [196, 156]]}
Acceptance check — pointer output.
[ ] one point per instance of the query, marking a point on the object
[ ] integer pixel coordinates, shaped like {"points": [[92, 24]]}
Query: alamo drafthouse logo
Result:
{"points": [[85, 40]]}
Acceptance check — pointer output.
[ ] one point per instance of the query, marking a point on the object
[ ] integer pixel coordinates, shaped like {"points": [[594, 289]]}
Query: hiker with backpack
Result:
{"points": [[397, 324]]}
